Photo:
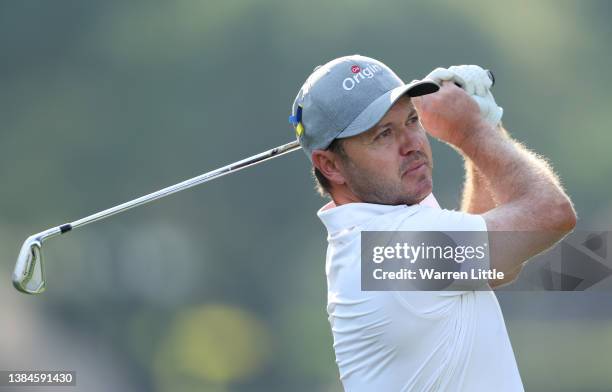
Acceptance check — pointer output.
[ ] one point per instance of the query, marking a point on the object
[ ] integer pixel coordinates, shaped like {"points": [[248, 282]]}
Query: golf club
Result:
{"points": [[29, 273]]}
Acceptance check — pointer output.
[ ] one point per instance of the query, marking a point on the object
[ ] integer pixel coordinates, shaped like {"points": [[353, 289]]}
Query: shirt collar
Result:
{"points": [[336, 218]]}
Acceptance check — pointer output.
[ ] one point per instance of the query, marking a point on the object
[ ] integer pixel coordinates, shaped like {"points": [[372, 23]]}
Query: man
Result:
{"points": [[365, 132]]}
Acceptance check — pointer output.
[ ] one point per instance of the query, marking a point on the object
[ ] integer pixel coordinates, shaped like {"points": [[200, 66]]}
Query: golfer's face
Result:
{"points": [[391, 163]]}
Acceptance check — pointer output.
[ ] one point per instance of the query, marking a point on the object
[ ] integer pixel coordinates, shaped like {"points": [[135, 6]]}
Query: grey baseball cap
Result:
{"points": [[345, 97]]}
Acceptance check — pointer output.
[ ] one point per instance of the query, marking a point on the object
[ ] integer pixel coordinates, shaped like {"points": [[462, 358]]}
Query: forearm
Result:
{"points": [[477, 197]]}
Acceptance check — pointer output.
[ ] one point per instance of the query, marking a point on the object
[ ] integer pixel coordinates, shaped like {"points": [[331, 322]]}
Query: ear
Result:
{"points": [[329, 165]]}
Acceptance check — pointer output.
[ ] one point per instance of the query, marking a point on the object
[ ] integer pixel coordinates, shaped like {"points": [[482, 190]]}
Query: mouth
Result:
{"points": [[414, 167]]}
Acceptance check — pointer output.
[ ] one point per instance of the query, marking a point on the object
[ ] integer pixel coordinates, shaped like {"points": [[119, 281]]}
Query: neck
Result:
{"points": [[341, 196], [344, 196]]}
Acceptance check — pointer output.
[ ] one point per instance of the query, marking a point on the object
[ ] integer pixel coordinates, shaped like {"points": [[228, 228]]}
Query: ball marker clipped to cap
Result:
{"points": [[296, 121], [345, 97]]}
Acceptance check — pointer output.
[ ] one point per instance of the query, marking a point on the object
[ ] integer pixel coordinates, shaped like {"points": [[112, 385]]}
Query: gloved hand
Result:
{"points": [[476, 83]]}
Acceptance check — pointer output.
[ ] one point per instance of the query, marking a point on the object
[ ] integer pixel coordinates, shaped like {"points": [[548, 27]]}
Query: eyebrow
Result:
{"points": [[410, 113]]}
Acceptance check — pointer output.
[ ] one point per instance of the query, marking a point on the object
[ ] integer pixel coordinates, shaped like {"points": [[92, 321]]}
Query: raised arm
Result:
{"points": [[477, 198], [531, 205]]}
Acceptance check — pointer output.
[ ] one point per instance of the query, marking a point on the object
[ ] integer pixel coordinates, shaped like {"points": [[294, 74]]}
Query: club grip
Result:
{"points": [[491, 76]]}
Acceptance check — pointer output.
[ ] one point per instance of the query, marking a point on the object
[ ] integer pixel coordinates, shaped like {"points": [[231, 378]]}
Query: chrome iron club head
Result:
{"points": [[29, 273]]}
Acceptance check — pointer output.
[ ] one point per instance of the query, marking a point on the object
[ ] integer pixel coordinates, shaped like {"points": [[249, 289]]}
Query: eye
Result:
{"points": [[413, 119], [383, 134]]}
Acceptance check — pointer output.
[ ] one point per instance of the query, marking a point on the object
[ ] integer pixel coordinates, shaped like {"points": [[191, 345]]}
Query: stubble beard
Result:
{"points": [[369, 187]]}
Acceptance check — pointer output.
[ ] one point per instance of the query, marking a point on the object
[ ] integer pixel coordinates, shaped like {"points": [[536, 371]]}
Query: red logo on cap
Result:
{"points": [[355, 69]]}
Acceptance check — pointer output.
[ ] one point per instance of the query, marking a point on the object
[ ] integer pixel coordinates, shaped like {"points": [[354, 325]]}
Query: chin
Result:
{"points": [[421, 188]]}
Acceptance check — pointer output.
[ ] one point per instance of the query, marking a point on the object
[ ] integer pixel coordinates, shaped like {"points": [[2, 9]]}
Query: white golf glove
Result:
{"points": [[477, 83]]}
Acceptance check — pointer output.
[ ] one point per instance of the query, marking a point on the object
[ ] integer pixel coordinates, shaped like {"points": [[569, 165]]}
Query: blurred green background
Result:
{"points": [[222, 287]]}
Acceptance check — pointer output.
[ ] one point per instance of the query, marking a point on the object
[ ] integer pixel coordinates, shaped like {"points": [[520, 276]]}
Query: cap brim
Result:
{"points": [[372, 114]]}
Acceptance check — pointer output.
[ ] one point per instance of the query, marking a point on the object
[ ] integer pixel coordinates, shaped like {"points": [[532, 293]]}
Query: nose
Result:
{"points": [[409, 140]]}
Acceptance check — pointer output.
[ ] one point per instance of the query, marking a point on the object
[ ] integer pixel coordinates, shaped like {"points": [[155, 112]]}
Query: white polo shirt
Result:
{"points": [[387, 341]]}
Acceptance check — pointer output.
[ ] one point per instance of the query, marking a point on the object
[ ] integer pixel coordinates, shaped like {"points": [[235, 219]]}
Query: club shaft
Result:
{"points": [[231, 168]]}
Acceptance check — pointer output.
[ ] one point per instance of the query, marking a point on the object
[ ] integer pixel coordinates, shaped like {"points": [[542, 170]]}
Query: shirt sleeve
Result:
{"points": [[468, 234]]}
